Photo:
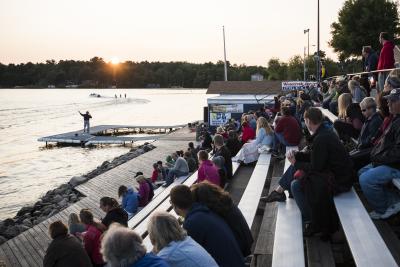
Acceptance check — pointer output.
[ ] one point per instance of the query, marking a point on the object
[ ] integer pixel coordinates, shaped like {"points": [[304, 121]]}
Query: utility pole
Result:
{"points": [[225, 66], [308, 52], [304, 65], [318, 48]]}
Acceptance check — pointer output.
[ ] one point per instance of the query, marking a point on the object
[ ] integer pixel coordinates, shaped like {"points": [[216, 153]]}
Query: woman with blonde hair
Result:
{"points": [[172, 244], [264, 138], [344, 101], [74, 224], [350, 119]]}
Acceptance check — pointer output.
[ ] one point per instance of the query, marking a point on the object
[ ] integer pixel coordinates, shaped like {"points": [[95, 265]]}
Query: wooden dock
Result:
{"points": [[28, 248], [103, 134]]}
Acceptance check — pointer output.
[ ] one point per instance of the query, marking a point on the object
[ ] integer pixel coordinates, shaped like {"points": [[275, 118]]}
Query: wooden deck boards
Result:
{"points": [[28, 248]]}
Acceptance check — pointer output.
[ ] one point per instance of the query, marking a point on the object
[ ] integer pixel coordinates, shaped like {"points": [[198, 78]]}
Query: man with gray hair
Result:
{"points": [[123, 247], [221, 150], [180, 168]]}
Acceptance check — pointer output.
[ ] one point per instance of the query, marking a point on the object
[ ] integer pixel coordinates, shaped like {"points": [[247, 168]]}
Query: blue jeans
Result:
{"points": [[373, 182], [86, 126], [174, 173], [280, 139], [287, 182]]}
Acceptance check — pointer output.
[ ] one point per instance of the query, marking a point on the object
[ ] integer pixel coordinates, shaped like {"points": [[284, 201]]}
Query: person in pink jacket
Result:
{"points": [[207, 170]]}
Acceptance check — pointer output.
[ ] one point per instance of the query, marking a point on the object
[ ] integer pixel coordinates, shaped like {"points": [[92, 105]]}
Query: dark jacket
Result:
{"points": [[192, 164], [224, 152], [369, 131], [234, 145], [213, 234], [387, 151], [327, 154], [386, 57], [118, 215], [371, 61], [66, 251]]}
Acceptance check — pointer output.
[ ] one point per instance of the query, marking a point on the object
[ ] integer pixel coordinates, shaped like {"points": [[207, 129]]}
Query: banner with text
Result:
{"points": [[297, 85], [217, 119], [232, 108]]}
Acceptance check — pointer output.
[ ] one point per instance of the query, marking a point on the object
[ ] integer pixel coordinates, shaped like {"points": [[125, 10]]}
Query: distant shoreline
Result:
{"points": [[61, 88]]}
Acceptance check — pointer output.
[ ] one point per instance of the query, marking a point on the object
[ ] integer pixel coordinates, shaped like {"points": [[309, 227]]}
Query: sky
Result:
{"points": [[162, 30]]}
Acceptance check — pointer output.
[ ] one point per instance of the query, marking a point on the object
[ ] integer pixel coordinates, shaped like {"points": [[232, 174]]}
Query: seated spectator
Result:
{"points": [[350, 119], [221, 131], [221, 150], [64, 249], [156, 175], [384, 166], [341, 88], [317, 173], [233, 144], [162, 170], [369, 131], [191, 162], [114, 213], [357, 92], [207, 170], [249, 152], [74, 224], [143, 191], [383, 107], [130, 202], [91, 238], [287, 130], [252, 121], [148, 181], [303, 103], [247, 133], [206, 228], [180, 168], [193, 150], [219, 163], [171, 243], [206, 140], [169, 161], [392, 82], [123, 247], [220, 202]]}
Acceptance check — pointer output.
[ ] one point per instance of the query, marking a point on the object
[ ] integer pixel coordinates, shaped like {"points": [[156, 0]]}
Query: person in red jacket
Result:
{"points": [[386, 58], [287, 130], [247, 133]]}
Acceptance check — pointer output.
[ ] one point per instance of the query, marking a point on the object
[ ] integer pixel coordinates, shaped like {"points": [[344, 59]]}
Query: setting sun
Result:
{"points": [[115, 61]]}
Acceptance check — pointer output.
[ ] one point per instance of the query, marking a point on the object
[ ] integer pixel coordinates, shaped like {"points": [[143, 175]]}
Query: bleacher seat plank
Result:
{"points": [[366, 245], [319, 253], [249, 202]]}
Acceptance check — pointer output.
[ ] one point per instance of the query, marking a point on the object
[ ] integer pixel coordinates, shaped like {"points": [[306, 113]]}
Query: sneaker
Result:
{"points": [[274, 196], [375, 215], [392, 210]]}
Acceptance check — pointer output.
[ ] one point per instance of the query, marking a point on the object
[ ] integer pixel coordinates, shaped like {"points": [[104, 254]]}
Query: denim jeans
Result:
{"points": [[288, 182], [373, 182], [174, 173], [381, 80], [86, 126]]}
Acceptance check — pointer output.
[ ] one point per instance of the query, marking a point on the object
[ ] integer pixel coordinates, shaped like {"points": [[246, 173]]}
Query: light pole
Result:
{"points": [[308, 51], [304, 65], [225, 66], [318, 60]]}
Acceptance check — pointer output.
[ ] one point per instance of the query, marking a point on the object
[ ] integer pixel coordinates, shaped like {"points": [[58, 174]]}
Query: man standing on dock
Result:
{"points": [[86, 118]]}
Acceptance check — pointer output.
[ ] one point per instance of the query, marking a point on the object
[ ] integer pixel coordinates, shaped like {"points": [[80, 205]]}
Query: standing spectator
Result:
{"points": [[221, 150], [143, 191], [386, 58], [191, 162], [207, 228], [384, 167], [114, 213], [172, 244], [370, 58], [287, 130], [86, 123], [180, 168], [220, 202], [64, 250], [74, 224], [123, 247], [233, 143], [207, 170], [91, 238], [130, 202]]}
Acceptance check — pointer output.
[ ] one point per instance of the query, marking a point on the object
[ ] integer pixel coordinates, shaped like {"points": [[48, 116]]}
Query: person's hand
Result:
{"points": [[290, 156]]}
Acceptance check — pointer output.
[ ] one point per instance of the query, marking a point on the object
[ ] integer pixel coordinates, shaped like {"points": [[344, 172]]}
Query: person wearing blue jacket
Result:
{"points": [[207, 228], [130, 200]]}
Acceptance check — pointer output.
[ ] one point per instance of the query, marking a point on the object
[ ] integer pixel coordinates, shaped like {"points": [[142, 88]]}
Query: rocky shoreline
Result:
{"points": [[60, 198]]}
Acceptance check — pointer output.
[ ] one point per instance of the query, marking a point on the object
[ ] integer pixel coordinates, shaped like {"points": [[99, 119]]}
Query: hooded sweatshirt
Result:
{"points": [[208, 171], [130, 201], [386, 57]]}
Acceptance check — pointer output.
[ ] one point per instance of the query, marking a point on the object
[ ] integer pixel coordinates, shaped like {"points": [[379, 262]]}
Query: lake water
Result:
{"points": [[28, 170]]}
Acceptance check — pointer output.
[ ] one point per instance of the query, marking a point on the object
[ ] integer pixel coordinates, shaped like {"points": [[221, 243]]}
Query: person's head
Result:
{"points": [[108, 203], [73, 219], [187, 155], [155, 166], [213, 196], [87, 112], [122, 190], [174, 156], [384, 37], [344, 101], [164, 228], [353, 84], [218, 140], [121, 246], [202, 155], [263, 123], [86, 216], [286, 103], [368, 106], [286, 111], [220, 130], [58, 229], [159, 164], [138, 173], [232, 134], [366, 50], [181, 199], [219, 162], [391, 83], [191, 145], [313, 119], [141, 179], [394, 101]]}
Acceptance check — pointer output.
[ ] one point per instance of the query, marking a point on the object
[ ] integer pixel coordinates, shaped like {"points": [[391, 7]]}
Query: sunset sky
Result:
{"points": [[161, 30]]}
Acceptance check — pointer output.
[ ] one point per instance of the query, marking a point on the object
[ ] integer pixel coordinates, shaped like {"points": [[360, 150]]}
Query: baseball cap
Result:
{"points": [[394, 95]]}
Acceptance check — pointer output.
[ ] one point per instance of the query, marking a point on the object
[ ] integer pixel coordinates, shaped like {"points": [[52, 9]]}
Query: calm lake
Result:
{"points": [[28, 170]]}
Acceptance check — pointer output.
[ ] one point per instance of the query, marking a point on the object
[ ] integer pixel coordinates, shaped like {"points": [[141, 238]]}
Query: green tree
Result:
{"points": [[295, 68], [276, 69], [359, 24]]}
